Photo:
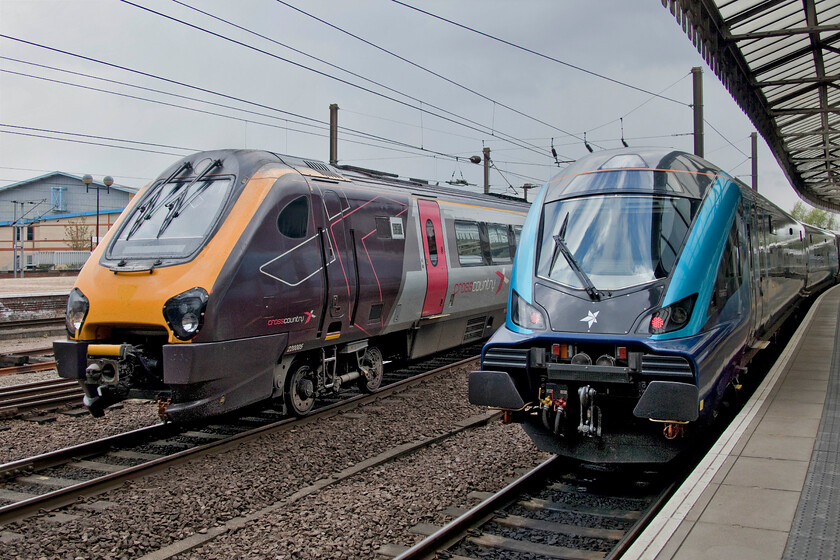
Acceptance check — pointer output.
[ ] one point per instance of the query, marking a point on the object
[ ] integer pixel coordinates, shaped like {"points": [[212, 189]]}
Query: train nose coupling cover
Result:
{"points": [[494, 388]]}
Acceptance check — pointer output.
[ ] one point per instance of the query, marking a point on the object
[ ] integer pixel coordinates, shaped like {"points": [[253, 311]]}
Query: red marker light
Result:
{"points": [[555, 349], [657, 322], [622, 353]]}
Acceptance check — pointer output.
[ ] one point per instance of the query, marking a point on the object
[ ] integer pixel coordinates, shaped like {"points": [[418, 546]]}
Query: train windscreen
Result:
{"points": [[613, 241], [173, 220]]}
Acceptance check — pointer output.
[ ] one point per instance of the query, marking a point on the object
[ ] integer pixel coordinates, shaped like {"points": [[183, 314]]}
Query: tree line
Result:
{"points": [[814, 216]]}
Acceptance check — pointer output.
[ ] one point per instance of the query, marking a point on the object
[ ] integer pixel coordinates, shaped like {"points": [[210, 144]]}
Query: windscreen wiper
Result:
{"points": [[176, 205], [145, 212], [561, 247]]}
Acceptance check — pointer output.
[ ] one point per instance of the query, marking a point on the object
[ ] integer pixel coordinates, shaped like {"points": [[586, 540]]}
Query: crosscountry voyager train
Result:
{"points": [[645, 282], [238, 276]]}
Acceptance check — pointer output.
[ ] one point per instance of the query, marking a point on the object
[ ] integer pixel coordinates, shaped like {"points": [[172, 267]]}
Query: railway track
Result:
{"points": [[551, 512], [27, 368], [57, 478], [32, 328], [52, 393]]}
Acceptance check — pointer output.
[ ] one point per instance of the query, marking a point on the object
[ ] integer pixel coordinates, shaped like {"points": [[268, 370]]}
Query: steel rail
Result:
{"points": [[27, 368], [63, 496], [40, 394], [449, 536], [640, 525], [456, 529], [13, 391]]}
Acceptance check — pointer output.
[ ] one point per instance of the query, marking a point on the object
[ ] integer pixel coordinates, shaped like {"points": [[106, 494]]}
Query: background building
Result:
{"points": [[51, 220]]}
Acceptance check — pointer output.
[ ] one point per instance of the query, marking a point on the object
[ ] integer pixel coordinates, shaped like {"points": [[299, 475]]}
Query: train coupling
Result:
{"points": [[97, 398], [104, 363], [590, 413]]}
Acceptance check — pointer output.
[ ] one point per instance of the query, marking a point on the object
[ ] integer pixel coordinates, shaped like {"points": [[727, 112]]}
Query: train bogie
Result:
{"points": [[239, 276], [648, 282]]}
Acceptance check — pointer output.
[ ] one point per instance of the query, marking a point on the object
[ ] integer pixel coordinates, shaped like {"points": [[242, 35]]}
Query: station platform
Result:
{"points": [[770, 486], [36, 285]]}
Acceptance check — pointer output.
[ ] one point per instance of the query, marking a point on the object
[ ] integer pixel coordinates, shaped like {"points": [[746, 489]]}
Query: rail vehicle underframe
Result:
{"points": [[194, 380], [637, 401], [188, 380]]}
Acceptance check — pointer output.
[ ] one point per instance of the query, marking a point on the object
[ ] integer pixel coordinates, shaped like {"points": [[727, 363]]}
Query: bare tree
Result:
{"points": [[77, 235]]}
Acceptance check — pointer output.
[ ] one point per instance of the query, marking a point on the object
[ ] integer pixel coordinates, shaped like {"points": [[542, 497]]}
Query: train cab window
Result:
{"points": [[729, 277], [173, 220], [432, 241], [294, 218], [500, 252], [468, 242]]}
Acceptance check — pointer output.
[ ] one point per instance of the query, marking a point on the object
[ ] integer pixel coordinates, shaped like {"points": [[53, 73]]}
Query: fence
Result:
{"points": [[55, 259]]}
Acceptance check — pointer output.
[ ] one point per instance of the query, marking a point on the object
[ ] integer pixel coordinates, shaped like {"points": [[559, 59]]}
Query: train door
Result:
{"points": [[338, 257], [754, 248], [763, 263], [437, 275], [287, 251]]}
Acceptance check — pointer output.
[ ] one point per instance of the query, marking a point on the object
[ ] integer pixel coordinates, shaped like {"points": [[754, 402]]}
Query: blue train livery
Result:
{"points": [[645, 283]]}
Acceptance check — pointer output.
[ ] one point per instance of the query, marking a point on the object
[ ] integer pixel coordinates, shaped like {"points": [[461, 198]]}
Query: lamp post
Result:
{"points": [[107, 181], [87, 179]]}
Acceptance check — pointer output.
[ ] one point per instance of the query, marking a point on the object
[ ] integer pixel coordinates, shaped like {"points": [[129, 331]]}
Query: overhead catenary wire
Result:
{"points": [[427, 70], [330, 64], [467, 123], [317, 127], [642, 104], [725, 138], [51, 170], [45, 133], [536, 53], [77, 141], [313, 122], [197, 88], [91, 136]]}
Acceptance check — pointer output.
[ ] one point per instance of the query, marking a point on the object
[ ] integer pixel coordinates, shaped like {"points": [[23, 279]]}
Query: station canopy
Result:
{"points": [[780, 60]]}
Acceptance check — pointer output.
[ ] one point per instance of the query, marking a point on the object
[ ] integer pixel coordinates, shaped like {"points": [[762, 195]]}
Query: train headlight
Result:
{"points": [[77, 310], [525, 315], [673, 317], [184, 313]]}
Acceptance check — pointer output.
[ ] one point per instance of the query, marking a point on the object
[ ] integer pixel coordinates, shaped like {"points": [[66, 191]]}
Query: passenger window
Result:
{"points": [[430, 238], [499, 243], [294, 218], [468, 242]]}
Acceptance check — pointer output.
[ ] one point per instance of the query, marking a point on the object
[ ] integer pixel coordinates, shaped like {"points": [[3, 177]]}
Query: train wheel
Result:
{"points": [[300, 390], [372, 370]]}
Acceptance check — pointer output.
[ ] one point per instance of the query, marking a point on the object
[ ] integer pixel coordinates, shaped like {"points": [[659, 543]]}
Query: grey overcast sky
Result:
{"points": [[86, 86]]}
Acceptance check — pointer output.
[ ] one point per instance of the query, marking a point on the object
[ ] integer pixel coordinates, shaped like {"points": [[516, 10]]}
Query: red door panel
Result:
{"points": [[437, 276]]}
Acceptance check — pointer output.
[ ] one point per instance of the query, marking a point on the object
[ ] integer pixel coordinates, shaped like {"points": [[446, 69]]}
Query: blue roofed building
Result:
{"points": [[49, 222]]}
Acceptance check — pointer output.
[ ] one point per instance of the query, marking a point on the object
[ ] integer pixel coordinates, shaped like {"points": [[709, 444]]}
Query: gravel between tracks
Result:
{"points": [[20, 438], [350, 520]]}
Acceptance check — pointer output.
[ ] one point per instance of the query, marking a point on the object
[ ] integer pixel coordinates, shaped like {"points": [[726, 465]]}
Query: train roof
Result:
{"points": [[674, 173], [248, 161]]}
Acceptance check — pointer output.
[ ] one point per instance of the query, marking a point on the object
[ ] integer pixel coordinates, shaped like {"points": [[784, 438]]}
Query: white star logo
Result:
{"points": [[590, 319]]}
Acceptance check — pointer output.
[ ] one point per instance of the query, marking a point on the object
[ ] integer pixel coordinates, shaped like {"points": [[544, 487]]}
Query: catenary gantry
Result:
{"points": [[780, 60]]}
